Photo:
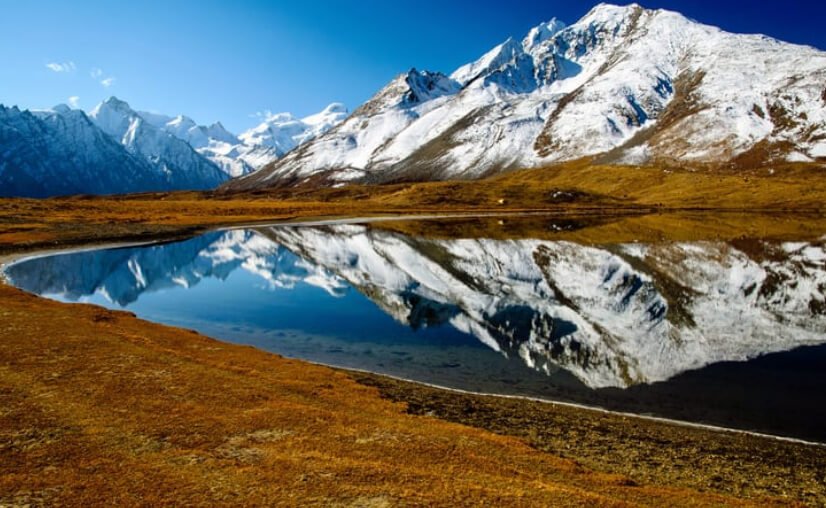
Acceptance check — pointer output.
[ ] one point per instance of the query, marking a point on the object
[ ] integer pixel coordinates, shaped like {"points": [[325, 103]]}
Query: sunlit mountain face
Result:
{"points": [[710, 331]]}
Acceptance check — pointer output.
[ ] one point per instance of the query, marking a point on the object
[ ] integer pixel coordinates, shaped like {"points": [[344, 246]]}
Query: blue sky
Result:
{"points": [[222, 60]]}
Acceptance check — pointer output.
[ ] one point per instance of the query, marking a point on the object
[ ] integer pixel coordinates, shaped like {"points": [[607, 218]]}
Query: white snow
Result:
{"points": [[283, 132], [617, 313], [584, 89]]}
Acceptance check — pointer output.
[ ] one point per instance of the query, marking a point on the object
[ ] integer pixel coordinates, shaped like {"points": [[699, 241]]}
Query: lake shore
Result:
{"points": [[82, 389]]}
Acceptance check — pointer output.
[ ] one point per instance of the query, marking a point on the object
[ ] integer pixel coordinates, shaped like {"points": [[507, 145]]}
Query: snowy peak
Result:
{"points": [[541, 33], [623, 85], [219, 132], [331, 115], [213, 142], [493, 60], [115, 117], [608, 13], [115, 104], [283, 132], [423, 86], [62, 109], [173, 158]]}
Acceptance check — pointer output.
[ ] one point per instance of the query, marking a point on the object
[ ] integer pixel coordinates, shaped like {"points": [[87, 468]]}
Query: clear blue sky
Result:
{"points": [[226, 60]]}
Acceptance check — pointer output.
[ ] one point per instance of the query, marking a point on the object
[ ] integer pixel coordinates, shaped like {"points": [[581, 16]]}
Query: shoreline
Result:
{"points": [[645, 452], [582, 407], [10, 260]]}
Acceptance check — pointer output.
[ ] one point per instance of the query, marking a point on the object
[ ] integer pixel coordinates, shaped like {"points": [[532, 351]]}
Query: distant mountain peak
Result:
{"points": [[282, 132], [610, 10], [116, 104], [489, 62], [61, 108]]}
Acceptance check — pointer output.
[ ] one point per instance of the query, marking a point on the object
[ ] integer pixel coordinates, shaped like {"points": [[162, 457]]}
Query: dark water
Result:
{"points": [[731, 334]]}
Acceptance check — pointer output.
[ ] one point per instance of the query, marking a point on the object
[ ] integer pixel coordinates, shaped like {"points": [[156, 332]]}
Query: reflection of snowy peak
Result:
{"points": [[122, 275], [271, 262], [612, 316], [623, 84]]}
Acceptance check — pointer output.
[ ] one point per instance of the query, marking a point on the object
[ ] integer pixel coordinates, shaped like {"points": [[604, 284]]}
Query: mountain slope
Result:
{"points": [[255, 148], [622, 85], [60, 152], [216, 143], [283, 132], [176, 162]]}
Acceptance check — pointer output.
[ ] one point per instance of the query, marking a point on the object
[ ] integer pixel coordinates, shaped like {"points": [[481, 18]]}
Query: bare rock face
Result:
{"points": [[622, 85]]}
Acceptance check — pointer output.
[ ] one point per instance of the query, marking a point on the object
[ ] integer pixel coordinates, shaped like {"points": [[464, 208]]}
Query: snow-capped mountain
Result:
{"points": [[614, 316], [283, 132], [115, 149], [621, 85], [61, 151], [173, 158], [255, 148], [216, 143]]}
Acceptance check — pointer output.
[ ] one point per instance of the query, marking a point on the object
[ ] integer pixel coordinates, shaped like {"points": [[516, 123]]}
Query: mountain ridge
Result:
{"points": [[115, 149], [63, 152], [623, 85]]}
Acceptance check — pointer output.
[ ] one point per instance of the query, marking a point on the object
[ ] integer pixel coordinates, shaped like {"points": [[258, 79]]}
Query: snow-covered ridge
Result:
{"points": [[168, 154], [254, 148], [116, 149], [58, 152], [623, 84], [283, 132]]}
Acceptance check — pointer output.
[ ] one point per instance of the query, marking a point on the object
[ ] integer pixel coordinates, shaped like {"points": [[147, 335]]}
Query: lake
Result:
{"points": [[725, 332]]}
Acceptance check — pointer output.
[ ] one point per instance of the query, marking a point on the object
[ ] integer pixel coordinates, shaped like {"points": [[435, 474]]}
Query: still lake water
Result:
{"points": [[727, 333]]}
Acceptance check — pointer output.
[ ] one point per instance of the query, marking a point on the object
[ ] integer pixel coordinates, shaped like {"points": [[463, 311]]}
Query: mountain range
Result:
{"points": [[623, 85], [116, 149]]}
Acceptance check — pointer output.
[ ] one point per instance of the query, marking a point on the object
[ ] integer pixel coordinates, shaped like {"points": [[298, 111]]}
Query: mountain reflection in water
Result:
{"points": [[604, 324]]}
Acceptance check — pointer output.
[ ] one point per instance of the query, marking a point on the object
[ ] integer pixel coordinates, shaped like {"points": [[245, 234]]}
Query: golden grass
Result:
{"points": [[574, 189], [98, 407]]}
